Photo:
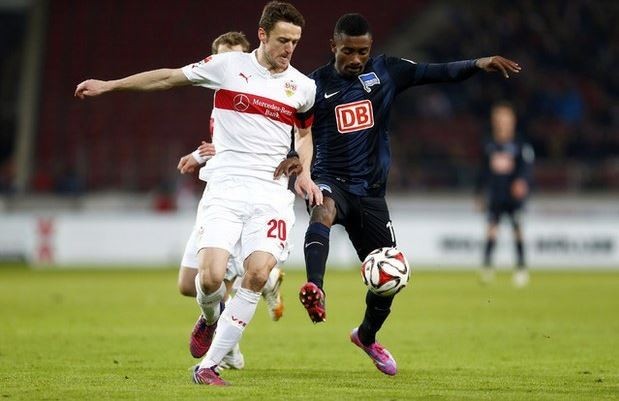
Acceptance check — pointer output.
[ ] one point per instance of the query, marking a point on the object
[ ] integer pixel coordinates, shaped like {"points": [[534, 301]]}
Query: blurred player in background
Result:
{"points": [[505, 176], [227, 42], [354, 96], [259, 97]]}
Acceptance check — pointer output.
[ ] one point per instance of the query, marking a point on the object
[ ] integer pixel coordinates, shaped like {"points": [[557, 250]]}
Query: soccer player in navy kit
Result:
{"points": [[354, 96], [505, 176]]}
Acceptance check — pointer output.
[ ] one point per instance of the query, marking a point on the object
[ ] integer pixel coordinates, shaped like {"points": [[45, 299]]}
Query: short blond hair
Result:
{"points": [[231, 39]]}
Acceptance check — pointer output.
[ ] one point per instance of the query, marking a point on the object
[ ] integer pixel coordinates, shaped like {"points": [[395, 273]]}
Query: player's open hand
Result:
{"points": [[90, 87], [307, 189], [498, 63], [288, 167], [206, 150], [187, 164]]}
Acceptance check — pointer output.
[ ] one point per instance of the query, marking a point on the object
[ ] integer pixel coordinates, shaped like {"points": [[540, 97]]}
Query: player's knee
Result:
{"points": [[325, 213], [255, 278], [209, 282]]}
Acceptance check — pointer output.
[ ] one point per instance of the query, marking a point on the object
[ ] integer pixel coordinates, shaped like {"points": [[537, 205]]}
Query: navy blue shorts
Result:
{"points": [[365, 218]]}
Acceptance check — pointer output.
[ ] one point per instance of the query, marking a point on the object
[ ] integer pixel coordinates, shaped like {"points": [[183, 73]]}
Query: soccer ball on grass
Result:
{"points": [[385, 271]]}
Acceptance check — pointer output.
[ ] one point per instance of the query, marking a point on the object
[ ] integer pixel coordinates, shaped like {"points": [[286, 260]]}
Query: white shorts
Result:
{"points": [[245, 214], [190, 258]]}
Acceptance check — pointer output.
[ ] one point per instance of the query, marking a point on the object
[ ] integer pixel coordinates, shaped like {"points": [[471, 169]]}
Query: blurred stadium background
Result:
{"points": [[94, 182]]}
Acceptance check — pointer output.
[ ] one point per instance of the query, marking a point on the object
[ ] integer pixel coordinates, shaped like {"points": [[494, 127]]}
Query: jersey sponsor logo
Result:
{"points": [[354, 116], [290, 88], [368, 80], [328, 95], [240, 102], [252, 104]]}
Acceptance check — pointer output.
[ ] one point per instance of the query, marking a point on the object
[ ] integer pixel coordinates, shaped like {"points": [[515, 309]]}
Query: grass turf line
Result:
{"points": [[122, 335]]}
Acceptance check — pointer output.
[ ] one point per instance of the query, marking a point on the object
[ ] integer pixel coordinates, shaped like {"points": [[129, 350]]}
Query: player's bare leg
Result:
{"points": [[187, 281], [210, 291]]}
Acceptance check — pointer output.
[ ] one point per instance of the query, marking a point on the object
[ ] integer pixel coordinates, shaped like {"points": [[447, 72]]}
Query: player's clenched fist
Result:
{"points": [[90, 87]]}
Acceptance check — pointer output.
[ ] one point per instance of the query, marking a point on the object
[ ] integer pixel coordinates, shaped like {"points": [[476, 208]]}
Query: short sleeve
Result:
{"points": [[208, 73], [305, 113], [402, 72]]}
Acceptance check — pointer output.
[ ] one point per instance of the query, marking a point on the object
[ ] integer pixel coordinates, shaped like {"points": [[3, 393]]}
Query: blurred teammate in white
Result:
{"points": [[227, 42], [259, 98]]}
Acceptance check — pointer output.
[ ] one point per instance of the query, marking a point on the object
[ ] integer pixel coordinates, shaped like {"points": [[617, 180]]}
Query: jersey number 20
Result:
{"points": [[277, 229]]}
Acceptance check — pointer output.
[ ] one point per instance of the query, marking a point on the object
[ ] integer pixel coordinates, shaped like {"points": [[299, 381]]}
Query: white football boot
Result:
{"points": [[271, 293]]}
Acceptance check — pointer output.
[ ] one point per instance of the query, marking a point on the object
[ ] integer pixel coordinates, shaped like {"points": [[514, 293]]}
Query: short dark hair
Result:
{"points": [[231, 39], [352, 24], [276, 11]]}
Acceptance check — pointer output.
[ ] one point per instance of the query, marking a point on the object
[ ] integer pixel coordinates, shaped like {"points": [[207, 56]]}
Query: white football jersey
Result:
{"points": [[254, 111]]}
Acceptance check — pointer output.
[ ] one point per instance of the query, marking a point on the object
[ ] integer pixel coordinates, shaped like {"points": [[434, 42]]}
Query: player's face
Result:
{"points": [[225, 48], [351, 53], [503, 123], [279, 44]]}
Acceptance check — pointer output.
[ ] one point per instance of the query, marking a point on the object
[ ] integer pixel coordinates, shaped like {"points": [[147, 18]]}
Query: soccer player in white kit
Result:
{"points": [[259, 97], [227, 42]]}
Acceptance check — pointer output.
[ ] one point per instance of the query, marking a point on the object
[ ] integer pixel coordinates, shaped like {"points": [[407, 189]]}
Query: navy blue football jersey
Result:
{"points": [[351, 118], [501, 164]]}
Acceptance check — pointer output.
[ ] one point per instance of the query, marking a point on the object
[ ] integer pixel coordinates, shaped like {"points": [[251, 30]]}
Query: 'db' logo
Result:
{"points": [[354, 116]]}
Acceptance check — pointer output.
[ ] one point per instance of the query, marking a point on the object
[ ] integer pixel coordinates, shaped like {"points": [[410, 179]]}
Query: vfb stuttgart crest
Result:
{"points": [[290, 88]]}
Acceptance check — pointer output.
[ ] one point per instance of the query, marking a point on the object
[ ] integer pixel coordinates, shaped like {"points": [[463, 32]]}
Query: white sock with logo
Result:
{"points": [[209, 303], [232, 322]]}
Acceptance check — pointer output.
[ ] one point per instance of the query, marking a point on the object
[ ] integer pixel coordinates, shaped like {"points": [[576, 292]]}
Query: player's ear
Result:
{"points": [[333, 45], [262, 35]]}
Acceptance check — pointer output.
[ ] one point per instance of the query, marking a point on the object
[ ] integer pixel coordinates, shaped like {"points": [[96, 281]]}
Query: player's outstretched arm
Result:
{"points": [[161, 79], [498, 63], [304, 186]]}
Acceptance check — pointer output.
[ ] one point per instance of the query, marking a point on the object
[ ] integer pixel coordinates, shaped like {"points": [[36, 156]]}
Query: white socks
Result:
{"points": [[239, 312], [209, 303]]}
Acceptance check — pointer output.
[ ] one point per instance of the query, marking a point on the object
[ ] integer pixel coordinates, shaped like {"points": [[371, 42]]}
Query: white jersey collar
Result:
{"points": [[263, 70]]}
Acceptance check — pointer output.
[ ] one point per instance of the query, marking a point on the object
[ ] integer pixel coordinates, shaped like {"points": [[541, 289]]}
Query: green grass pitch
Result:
{"points": [[122, 335]]}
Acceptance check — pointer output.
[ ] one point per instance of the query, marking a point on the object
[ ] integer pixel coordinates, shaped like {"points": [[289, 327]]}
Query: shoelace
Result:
{"points": [[379, 349]]}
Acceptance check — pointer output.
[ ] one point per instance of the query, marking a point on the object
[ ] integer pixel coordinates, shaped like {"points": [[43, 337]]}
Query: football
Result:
{"points": [[385, 271]]}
